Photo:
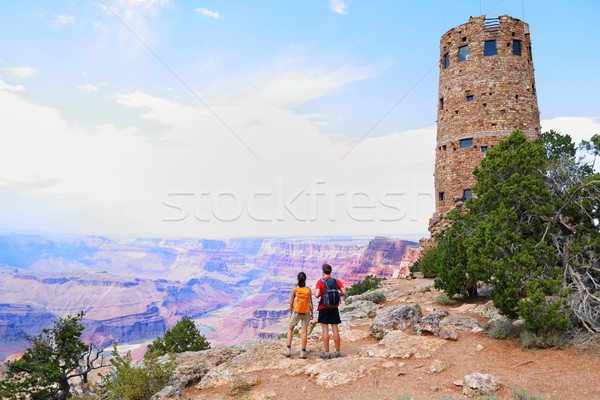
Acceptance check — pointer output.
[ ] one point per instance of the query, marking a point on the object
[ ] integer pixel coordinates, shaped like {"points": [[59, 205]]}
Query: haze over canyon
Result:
{"points": [[132, 290]]}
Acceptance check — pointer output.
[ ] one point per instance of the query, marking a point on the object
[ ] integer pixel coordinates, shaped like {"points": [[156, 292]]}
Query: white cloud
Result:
{"points": [[338, 6], [20, 72], [60, 20], [113, 181], [91, 88], [580, 128], [298, 76], [208, 13], [10, 88]]}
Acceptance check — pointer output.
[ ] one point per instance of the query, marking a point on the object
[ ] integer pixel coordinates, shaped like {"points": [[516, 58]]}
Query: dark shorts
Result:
{"points": [[329, 316]]}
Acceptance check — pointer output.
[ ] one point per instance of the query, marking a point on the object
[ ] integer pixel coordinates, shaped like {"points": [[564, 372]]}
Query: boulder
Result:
{"points": [[478, 384], [192, 367], [396, 318], [448, 334], [430, 329], [358, 309], [438, 366], [460, 322], [489, 311], [435, 317], [429, 324]]}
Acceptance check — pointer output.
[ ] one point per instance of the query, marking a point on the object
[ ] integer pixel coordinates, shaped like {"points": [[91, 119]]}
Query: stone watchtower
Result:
{"points": [[486, 90]]}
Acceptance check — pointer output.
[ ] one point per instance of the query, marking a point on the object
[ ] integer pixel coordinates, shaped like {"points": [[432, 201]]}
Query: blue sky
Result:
{"points": [[207, 118]]}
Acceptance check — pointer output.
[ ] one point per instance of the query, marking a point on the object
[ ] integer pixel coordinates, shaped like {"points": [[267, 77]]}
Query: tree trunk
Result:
{"points": [[64, 389]]}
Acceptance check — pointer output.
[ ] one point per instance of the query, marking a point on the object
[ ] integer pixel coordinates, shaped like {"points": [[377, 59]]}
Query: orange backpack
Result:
{"points": [[303, 302]]}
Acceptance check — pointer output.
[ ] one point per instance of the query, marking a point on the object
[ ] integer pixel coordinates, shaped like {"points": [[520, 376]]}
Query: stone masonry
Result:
{"points": [[486, 90]]}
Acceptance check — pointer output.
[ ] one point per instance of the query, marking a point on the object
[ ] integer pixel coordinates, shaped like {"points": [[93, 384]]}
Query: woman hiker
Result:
{"points": [[301, 310]]}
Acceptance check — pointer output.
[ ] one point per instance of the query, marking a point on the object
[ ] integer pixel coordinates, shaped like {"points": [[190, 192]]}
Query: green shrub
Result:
{"points": [[504, 330], [444, 300], [376, 297], [369, 283], [133, 382], [523, 394], [542, 340]]}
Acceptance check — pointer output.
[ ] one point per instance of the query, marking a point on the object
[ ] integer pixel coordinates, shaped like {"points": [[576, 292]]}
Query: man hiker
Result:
{"points": [[301, 310], [329, 290]]}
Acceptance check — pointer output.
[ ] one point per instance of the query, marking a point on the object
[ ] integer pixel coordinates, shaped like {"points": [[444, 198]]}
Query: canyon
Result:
{"points": [[133, 289]]}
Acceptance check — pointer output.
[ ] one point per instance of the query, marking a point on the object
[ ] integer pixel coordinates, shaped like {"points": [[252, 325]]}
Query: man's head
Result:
{"points": [[327, 269]]}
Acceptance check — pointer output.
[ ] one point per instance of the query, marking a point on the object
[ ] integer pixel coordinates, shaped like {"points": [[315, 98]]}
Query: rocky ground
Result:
{"points": [[426, 351]]}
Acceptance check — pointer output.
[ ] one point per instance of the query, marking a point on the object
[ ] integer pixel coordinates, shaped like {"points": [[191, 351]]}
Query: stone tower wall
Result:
{"points": [[483, 98]]}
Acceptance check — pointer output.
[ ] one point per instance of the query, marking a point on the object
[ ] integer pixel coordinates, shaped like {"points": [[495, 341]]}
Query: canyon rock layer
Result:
{"points": [[132, 290]]}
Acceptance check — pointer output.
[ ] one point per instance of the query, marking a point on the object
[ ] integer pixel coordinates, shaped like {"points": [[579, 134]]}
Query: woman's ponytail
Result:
{"points": [[301, 279]]}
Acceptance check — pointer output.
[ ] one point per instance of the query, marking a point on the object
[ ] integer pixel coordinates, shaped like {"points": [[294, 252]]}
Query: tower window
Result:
{"points": [[467, 194], [464, 143], [446, 60], [483, 149], [463, 53], [489, 48], [485, 105], [441, 103], [442, 196], [517, 47], [470, 98]]}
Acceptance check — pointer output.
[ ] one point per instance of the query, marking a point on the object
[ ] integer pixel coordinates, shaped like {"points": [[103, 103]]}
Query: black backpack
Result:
{"points": [[331, 293]]}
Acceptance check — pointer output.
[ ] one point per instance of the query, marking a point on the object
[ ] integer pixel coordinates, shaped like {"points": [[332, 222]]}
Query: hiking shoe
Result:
{"points": [[338, 354], [303, 354], [286, 351], [325, 356]]}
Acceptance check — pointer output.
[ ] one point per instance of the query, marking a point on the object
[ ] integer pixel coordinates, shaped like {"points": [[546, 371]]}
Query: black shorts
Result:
{"points": [[329, 316]]}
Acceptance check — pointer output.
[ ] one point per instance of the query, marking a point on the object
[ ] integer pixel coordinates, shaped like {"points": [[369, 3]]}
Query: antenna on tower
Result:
{"points": [[523, 9]]}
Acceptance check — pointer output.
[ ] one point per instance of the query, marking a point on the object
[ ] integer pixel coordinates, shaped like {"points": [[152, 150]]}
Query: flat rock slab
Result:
{"points": [[336, 371], [398, 344], [460, 322]]}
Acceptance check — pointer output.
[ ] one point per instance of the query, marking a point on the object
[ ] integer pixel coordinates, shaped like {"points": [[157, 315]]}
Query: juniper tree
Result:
{"points": [[50, 366], [531, 232]]}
